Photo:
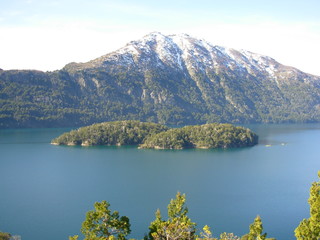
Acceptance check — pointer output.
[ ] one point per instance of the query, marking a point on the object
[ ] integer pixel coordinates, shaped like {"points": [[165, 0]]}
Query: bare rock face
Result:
{"points": [[175, 79]]}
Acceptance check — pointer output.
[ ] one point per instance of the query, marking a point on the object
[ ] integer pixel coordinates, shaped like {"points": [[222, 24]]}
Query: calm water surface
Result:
{"points": [[46, 190]]}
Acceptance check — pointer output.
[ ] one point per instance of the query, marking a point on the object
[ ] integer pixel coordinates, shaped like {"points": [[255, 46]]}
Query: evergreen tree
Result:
{"points": [[102, 224], [178, 225], [309, 229], [255, 232]]}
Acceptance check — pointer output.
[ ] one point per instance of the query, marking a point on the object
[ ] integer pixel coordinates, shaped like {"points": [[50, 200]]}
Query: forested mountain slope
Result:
{"points": [[172, 79]]}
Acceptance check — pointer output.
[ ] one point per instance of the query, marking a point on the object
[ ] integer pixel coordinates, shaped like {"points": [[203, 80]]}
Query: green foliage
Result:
{"points": [[309, 229], [207, 235], [102, 223], [255, 232], [178, 225], [171, 139], [5, 236], [152, 135], [204, 136], [75, 237], [228, 236], [83, 94], [110, 133]]}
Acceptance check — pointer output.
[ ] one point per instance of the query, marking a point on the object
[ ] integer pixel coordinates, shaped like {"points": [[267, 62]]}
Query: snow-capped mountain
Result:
{"points": [[190, 54], [181, 79]]}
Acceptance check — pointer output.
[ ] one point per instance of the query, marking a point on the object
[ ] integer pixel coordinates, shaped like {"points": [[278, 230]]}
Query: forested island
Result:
{"points": [[158, 136], [110, 133]]}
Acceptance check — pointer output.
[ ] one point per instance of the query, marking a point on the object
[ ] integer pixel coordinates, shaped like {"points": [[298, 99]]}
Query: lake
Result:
{"points": [[45, 190]]}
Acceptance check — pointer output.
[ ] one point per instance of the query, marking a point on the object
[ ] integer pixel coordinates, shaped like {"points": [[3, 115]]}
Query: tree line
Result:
{"points": [[81, 96], [103, 224]]}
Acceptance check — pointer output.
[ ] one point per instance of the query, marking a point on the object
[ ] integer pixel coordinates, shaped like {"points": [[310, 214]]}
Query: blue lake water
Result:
{"points": [[46, 190]]}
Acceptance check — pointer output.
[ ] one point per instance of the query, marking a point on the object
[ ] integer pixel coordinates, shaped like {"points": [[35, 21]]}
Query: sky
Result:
{"points": [[48, 34]]}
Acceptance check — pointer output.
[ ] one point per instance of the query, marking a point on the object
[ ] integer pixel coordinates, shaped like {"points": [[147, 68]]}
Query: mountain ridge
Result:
{"points": [[173, 79], [132, 46]]}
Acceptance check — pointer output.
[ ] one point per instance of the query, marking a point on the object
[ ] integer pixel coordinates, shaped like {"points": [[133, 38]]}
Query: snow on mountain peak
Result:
{"points": [[184, 51]]}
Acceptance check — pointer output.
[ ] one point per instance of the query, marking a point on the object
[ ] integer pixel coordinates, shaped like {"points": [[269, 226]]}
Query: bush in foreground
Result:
{"points": [[102, 224]]}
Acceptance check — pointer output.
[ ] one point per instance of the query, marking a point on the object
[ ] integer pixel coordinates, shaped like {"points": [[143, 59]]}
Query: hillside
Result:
{"points": [[172, 79]]}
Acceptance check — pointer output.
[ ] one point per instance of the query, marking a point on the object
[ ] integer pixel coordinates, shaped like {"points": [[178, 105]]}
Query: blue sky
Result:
{"points": [[47, 34]]}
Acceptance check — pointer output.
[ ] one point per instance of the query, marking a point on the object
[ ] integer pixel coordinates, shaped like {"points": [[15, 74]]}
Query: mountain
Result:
{"points": [[175, 79]]}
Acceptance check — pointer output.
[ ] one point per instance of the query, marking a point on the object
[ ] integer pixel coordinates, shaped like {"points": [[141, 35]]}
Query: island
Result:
{"points": [[206, 136], [110, 133], [158, 136]]}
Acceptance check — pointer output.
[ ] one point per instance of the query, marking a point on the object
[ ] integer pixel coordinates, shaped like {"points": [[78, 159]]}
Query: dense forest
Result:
{"points": [[110, 133], [202, 136], [207, 86], [152, 135]]}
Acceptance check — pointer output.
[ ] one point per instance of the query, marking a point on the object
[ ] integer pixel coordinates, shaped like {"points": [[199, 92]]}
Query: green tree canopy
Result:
{"points": [[102, 224], [206, 234], [255, 231], [178, 225], [309, 229], [4, 236]]}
